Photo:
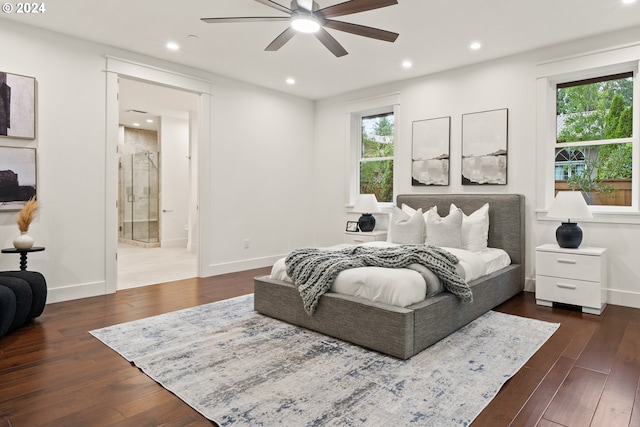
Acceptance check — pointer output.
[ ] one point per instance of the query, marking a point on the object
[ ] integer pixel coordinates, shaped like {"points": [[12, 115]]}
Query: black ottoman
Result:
{"points": [[23, 295], [7, 309]]}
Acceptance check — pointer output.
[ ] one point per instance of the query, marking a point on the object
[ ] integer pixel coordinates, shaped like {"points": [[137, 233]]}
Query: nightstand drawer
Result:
{"points": [[568, 291], [356, 238], [575, 266]]}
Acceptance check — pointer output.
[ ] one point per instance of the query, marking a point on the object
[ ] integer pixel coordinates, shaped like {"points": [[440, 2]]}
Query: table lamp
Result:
{"points": [[366, 204], [569, 205]]}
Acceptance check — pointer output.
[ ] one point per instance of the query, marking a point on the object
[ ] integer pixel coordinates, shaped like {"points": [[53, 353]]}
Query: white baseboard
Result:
{"points": [[247, 264], [67, 293], [174, 243], [86, 290], [623, 298]]}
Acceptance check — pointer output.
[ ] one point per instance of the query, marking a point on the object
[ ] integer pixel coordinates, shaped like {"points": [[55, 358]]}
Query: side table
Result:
{"points": [[572, 276], [23, 254]]}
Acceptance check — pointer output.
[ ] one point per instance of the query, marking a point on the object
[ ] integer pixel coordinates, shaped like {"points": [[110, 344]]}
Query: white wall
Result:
{"points": [[255, 190], [70, 141], [174, 181], [505, 83], [261, 184]]}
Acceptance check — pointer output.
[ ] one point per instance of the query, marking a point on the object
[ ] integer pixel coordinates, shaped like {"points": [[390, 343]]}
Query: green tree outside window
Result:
{"points": [[376, 162], [592, 111]]}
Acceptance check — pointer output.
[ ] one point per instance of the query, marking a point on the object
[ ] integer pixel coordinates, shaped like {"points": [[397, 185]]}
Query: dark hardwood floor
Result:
{"points": [[53, 373]]}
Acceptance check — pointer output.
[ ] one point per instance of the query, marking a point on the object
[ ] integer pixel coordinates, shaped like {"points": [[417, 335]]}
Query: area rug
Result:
{"points": [[237, 367]]}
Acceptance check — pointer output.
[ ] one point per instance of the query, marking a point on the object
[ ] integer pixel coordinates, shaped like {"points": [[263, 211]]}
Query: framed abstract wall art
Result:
{"points": [[484, 147], [430, 152], [17, 177], [17, 106]]}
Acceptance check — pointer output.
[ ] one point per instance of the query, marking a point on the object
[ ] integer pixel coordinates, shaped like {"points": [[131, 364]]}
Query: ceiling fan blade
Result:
{"points": [[279, 41], [275, 5], [361, 30], [246, 19], [330, 43], [354, 6]]}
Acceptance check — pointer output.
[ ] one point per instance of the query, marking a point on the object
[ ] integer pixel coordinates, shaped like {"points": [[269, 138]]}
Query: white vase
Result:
{"points": [[24, 241]]}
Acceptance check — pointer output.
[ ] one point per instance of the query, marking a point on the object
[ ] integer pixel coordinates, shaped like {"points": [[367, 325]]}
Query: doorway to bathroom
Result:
{"points": [[156, 184]]}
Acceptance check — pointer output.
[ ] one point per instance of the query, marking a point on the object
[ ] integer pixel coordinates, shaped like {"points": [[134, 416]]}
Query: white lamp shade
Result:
{"points": [[366, 203], [569, 205]]}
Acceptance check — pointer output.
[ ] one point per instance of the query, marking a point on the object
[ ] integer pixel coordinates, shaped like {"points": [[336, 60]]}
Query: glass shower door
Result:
{"points": [[140, 197]]}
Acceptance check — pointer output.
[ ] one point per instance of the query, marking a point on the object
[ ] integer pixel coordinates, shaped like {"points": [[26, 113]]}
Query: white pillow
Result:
{"points": [[445, 231], [410, 211], [475, 228], [405, 229]]}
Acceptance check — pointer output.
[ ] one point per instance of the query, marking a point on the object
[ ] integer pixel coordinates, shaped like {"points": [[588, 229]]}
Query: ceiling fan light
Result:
{"points": [[305, 24]]}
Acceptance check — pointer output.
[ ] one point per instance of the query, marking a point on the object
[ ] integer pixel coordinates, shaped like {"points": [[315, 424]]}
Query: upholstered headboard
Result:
{"points": [[506, 216]]}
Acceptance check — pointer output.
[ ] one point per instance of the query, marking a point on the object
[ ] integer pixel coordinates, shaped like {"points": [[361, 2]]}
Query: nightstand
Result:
{"points": [[572, 276], [357, 237]]}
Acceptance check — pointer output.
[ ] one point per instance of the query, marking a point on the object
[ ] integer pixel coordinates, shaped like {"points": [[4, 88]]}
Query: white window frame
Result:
{"points": [[549, 75], [362, 160], [356, 110]]}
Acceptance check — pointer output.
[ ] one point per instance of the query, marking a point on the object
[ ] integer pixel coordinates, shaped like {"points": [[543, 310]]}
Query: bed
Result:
{"points": [[405, 331]]}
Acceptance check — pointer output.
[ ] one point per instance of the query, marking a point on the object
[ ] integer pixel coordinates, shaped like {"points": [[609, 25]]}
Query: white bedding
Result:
{"points": [[405, 286]]}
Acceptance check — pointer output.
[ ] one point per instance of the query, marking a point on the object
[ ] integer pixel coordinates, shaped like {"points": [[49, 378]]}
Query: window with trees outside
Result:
{"points": [[376, 156], [594, 138]]}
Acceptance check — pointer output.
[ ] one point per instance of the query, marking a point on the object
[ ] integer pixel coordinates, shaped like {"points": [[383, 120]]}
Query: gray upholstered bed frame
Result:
{"points": [[404, 332]]}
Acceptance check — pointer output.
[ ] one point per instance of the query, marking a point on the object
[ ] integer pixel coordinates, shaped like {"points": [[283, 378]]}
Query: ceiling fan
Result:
{"points": [[305, 16]]}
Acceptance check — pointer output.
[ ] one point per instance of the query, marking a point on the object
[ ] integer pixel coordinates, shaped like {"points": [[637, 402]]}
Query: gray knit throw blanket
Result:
{"points": [[313, 270]]}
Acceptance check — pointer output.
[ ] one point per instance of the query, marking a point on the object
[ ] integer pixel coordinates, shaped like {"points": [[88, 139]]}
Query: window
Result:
{"points": [[376, 156], [594, 138], [568, 161]]}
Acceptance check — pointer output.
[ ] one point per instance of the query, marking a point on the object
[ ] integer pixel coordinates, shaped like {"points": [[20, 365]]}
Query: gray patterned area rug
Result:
{"points": [[237, 367]]}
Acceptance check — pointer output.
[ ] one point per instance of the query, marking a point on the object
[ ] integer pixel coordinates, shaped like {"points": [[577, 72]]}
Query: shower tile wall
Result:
{"points": [[139, 186]]}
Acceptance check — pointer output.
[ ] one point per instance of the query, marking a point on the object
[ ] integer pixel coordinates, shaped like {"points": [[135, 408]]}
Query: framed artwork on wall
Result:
{"points": [[484, 147], [17, 177], [430, 151], [17, 106]]}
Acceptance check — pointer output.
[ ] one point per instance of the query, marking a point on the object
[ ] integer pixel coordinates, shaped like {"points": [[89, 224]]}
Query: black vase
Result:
{"points": [[367, 222], [569, 235]]}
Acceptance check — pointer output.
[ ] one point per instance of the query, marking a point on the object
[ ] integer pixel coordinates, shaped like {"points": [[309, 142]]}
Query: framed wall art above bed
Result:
{"points": [[430, 151], [484, 147], [17, 106]]}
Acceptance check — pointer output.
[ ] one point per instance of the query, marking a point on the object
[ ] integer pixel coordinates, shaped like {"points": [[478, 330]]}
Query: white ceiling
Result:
{"points": [[435, 35]]}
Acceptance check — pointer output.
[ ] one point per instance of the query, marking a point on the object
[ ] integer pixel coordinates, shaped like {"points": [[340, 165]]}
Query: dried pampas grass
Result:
{"points": [[26, 214]]}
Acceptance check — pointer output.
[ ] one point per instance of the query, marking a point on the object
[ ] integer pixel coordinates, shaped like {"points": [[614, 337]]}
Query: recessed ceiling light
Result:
{"points": [[305, 24], [291, 81], [136, 124], [475, 45], [628, 1], [173, 46], [149, 121], [407, 64]]}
